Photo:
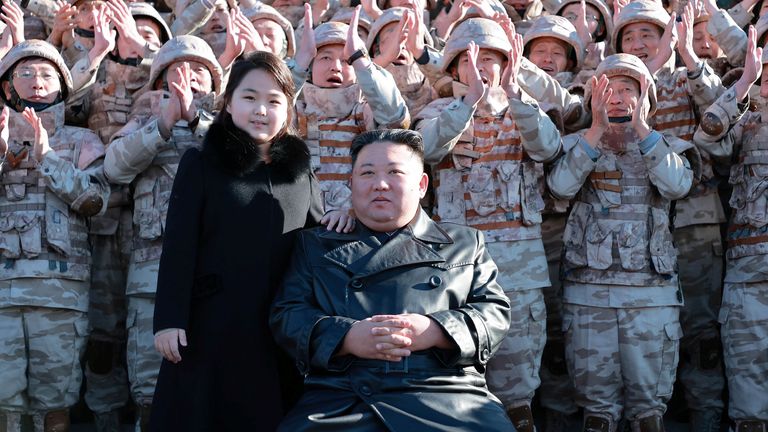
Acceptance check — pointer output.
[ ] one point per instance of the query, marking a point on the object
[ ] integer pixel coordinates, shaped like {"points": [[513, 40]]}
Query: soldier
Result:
{"points": [[596, 19], [487, 146], [553, 45], [348, 94], [50, 185], [727, 130], [215, 30], [621, 296], [172, 115], [76, 40], [275, 31], [387, 43]]}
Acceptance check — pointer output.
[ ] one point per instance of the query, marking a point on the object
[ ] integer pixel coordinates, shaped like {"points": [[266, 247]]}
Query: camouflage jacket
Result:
{"points": [[43, 206]]}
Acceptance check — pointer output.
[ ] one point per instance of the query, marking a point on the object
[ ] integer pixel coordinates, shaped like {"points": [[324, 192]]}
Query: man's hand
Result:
{"points": [[618, 6], [13, 17], [41, 147], [307, 48], [170, 114], [371, 8], [183, 89], [423, 332], [354, 43], [64, 20], [666, 46], [253, 41], [416, 30], [103, 39], [514, 59], [167, 343], [753, 66], [126, 25], [640, 115], [685, 34], [601, 96], [234, 45], [476, 86], [342, 220], [582, 26], [384, 339]]}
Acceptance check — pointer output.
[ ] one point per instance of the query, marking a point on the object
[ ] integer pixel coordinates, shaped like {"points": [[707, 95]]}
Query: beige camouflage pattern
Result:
{"points": [[192, 18], [40, 357], [414, 86], [75, 48], [143, 360], [622, 360], [557, 27], [701, 271], [729, 36], [744, 320], [329, 119], [44, 10]]}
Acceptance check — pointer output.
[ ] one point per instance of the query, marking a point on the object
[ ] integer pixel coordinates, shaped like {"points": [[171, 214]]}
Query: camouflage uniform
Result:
{"points": [[413, 84], [45, 276], [682, 95], [596, 50], [262, 11], [523, 20], [330, 118], [488, 174], [621, 291], [140, 156], [728, 130]]}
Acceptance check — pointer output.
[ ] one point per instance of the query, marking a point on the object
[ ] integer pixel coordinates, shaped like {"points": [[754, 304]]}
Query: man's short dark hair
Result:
{"points": [[406, 137]]}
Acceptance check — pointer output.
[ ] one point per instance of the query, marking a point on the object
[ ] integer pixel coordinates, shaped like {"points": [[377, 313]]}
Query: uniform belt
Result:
{"points": [[420, 362], [603, 175]]}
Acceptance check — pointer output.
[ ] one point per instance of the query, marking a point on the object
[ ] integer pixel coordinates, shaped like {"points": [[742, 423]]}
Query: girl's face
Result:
{"points": [[258, 106]]}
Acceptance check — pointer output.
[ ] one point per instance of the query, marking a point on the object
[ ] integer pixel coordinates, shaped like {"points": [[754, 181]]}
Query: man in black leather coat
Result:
{"points": [[392, 324]]}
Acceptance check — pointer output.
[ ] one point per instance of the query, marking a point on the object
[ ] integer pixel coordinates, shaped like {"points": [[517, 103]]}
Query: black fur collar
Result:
{"points": [[234, 151]]}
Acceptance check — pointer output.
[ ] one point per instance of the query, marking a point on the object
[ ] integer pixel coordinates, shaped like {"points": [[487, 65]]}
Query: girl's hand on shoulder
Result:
{"points": [[342, 220]]}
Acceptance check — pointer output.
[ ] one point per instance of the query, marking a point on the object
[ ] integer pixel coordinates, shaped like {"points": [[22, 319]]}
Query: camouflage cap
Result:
{"points": [[331, 33], [557, 27], [146, 10], [185, 48], [389, 16], [485, 33], [623, 65], [34, 48], [701, 16], [605, 13], [344, 15], [638, 11], [263, 11]]}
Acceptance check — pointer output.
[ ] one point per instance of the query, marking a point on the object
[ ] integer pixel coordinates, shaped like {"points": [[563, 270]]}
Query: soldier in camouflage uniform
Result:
{"points": [[487, 146], [621, 294], [727, 130], [215, 30], [275, 31], [599, 22], [387, 43], [52, 180], [342, 100], [642, 29], [165, 122]]}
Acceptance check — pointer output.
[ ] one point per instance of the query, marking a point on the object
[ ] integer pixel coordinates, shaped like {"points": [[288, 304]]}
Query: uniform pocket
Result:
{"points": [[533, 203], [756, 201], [633, 246], [599, 246], [574, 244], [482, 191], [57, 225], [10, 243], [145, 216], [509, 177], [663, 252], [451, 206], [669, 358]]}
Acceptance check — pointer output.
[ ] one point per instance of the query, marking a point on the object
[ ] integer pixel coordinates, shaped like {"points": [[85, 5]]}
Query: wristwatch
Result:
{"points": [[356, 55]]}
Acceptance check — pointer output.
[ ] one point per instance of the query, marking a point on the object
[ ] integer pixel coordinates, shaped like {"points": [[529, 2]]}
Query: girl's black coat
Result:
{"points": [[230, 228]]}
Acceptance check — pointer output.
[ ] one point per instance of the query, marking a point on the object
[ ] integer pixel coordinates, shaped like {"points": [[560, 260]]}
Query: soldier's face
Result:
{"points": [[150, 31], [330, 69], [218, 21], [35, 80], [388, 36], [490, 64], [764, 81], [387, 183], [550, 55], [272, 35], [411, 4], [642, 40], [86, 17], [200, 77], [259, 106], [704, 44], [571, 13], [624, 100]]}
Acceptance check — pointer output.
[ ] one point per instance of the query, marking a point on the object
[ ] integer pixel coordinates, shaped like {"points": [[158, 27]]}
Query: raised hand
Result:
{"points": [[416, 31], [235, 45], [392, 49], [6, 41], [307, 48], [64, 20], [248, 32], [103, 37], [170, 114], [183, 89], [685, 34], [666, 46], [618, 6], [581, 24], [753, 65], [476, 86], [514, 59], [354, 43], [126, 25], [321, 7], [371, 8], [640, 114], [601, 96], [41, 146], [13, 17]]}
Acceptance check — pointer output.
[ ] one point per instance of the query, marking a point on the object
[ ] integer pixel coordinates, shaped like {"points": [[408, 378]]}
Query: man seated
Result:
{"points": [[392, 324]]}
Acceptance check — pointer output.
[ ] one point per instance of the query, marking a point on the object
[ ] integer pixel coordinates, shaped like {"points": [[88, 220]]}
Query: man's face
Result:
{"points": [[85, 17], [330, 69], [148, 29], [35, 80], [571, 13], [550, 55], [704, 44], [519, 5], [200, 77], [387, 37], [272, 35], [282, 3], [218, 21], [764, 81], [387, 183], [410, 4], [624, 100], [642, 40], [490, 64]]}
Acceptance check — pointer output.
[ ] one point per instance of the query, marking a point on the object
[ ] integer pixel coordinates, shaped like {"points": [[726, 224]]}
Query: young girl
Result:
{"points": [[234, 209]]}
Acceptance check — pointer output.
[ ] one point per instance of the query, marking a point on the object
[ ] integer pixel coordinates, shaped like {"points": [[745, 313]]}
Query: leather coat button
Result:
{"points": [[356, 283], [300, 365], [435, 281], [485, 355], [365, 390]]}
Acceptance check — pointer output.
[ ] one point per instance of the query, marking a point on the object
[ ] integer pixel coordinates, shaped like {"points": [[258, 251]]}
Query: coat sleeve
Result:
{"points": [[546, 89], [180, 244], [307, 333], [130, 154], [729, 36], [570, 171], [668, 171], [193, 17], [704, 86], [480, 325], [539, 135], [383, 97], [720, 127], [441, 133]]}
